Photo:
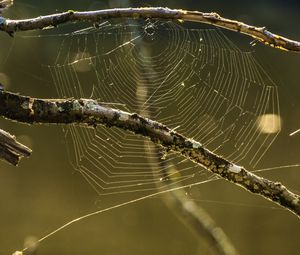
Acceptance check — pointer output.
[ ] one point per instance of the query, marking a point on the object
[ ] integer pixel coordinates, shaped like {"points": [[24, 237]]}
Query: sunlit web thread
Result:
{"points": [[197, 81]]}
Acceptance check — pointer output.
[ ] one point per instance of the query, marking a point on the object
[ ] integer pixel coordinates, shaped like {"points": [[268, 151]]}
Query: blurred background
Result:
{"points": [[45, 191]]}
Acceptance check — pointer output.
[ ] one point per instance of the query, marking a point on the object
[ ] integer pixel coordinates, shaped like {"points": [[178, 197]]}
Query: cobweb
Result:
{"points": [[195, 81]]}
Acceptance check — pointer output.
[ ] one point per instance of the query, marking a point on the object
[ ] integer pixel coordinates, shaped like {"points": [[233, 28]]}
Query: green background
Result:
{"points": [[44, 192]]}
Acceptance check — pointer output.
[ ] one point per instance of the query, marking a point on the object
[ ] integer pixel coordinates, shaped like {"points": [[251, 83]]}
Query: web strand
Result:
{"points": [[193, 80], [196, 81]]}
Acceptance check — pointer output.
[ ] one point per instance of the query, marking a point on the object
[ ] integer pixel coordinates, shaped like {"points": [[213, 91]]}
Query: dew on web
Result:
{"points": [[195, 81]]}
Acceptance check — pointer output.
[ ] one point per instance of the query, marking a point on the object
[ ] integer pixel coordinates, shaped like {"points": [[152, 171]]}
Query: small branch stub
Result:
{"points": [[5, 4], [11, 150]]}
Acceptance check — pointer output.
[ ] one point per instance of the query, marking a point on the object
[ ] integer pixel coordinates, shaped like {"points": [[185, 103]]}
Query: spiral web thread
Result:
{"points": [[195, 81]]}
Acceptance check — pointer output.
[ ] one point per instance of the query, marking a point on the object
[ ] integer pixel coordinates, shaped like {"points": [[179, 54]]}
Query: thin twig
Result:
{"points": [[190, 213], [259, 33], [198, 220], [201, 223], [90, 112], [10, 149]]}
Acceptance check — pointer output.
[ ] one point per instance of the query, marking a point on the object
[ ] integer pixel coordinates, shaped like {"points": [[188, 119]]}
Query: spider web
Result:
{"points": [[195, 81]]}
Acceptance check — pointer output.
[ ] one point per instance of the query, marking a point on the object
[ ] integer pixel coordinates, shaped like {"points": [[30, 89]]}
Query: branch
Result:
{"points": [[258, 33], [188, 212], [11, 150], [90, 112], [197, 219], [200, 222]]}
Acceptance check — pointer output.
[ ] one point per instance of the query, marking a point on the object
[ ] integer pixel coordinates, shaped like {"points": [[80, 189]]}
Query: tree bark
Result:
{"points": [[90, 112]]}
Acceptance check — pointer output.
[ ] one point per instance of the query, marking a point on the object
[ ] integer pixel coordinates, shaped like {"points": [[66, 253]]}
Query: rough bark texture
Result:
{"points": [[259, 33], [90, 112]]}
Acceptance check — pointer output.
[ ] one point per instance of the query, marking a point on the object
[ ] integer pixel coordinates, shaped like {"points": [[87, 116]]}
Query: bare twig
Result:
{"points": [[197, 219], [259, 33], [10, 149], [188, 212], [90, 112], [200, 222]]}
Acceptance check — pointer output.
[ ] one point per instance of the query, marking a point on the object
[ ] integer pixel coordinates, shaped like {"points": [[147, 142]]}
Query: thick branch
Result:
{"points": [[90, 112], [10, 149], [259, 33]]}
